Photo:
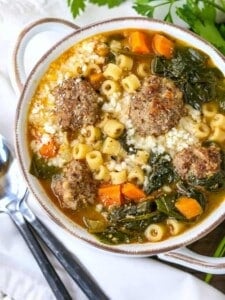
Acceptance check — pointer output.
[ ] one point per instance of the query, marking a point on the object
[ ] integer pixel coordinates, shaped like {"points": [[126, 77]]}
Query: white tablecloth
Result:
{"points": [[122, 278]]}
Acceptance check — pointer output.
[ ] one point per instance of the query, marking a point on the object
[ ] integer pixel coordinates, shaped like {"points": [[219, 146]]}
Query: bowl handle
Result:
{"points": [[192, 260], [18, 74]]}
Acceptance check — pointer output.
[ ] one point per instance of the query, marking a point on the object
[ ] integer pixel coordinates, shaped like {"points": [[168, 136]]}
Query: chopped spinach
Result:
{"points": [[166, 205], [111, 57], [123, 142], [40, 169], [128, 222], [113, 236], [189, 70], [133, 212], [212, 183], [162, 172]]}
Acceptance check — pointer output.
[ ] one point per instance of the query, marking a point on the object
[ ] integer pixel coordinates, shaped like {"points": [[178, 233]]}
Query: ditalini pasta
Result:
{"points": [[127, 135]]}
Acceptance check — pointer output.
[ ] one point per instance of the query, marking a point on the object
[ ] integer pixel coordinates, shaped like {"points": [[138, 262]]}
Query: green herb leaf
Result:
{"points": [[76, 6], [202, 21], [143, 8], [109, 3]]}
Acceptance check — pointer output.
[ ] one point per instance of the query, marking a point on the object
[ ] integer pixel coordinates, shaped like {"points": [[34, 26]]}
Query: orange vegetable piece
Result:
{"points": [[162, 45], [131, 191], [189, 207], [138, 42], [110, 195], [49, 150], [96, 79]]}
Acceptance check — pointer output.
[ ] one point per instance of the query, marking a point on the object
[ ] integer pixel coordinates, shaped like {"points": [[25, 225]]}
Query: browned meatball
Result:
{"points": [[197, 161], [76, 103], [76, 186], [158, 106]]}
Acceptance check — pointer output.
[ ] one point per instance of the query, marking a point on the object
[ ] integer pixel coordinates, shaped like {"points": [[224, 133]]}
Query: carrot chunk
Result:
{"points": [[49, 150], [189, 207], [131, 191], [96, 79], [138, 42], [110, 195], [162, 45]]}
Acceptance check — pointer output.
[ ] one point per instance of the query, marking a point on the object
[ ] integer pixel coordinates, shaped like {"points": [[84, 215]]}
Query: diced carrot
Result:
{"points": [[189, 207], [49, 150], [110, 195], [96, 79], [138, 42], [131, 191], [162, 45]]}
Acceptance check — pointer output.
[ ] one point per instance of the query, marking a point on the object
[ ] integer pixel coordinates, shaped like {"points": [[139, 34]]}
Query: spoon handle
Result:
{"points": [[71, 264], [48, 271]]}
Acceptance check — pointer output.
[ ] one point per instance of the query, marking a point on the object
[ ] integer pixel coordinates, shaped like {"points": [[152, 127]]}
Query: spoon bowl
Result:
{"points": [[9, 175], [4, 156]]}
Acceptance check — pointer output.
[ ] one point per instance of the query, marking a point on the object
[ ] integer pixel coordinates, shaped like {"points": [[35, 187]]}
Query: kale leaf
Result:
{"points": [[189, 70], [127, 223], [162, 172], [166, 205], [40, 169]]}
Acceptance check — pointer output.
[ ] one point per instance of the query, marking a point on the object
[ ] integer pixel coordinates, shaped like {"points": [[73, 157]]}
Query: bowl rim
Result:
{"points": [[19, 149]]}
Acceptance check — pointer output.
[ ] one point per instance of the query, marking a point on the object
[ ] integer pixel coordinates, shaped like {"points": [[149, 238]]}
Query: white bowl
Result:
{"points": [[146, 249]]}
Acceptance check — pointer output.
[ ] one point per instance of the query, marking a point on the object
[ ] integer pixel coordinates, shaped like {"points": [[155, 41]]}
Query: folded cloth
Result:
{"points": [[122, 278]]}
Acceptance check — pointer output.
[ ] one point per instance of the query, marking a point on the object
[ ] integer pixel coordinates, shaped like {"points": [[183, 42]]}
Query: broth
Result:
{"points": [[127, 135]]}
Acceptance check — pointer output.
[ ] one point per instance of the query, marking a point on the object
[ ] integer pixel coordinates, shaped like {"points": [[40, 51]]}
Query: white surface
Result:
{"points": [[121, 278]]}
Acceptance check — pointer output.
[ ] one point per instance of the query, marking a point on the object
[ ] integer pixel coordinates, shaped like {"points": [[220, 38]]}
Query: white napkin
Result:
{"points": [[122, 278]]}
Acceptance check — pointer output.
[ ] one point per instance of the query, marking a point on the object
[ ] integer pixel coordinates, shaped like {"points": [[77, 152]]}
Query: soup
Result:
{"points": [[126, 132]]}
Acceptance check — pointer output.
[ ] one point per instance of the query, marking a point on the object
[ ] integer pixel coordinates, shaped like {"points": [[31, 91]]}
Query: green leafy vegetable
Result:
{"points": [[162, 172], [212, 183], [198, 14], [109, 3], [123, 141], [188, 68], [114, 236], [41, 170], [128, 222], [165, 204], [143, 8], [201, 20], [76, 6]]}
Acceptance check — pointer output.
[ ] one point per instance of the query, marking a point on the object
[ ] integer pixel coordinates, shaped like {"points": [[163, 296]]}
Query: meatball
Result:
{"points": [[76, 186], [197, 161], [157, 107], [76, 104]]}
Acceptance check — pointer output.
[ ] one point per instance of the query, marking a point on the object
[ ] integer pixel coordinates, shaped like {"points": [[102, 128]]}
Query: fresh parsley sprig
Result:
{"points": [[147, 8], [78, 6], [200, 15]]}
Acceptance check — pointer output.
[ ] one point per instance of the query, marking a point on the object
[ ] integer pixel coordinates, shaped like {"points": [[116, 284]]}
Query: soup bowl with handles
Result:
{"points": [[172, 249]]}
